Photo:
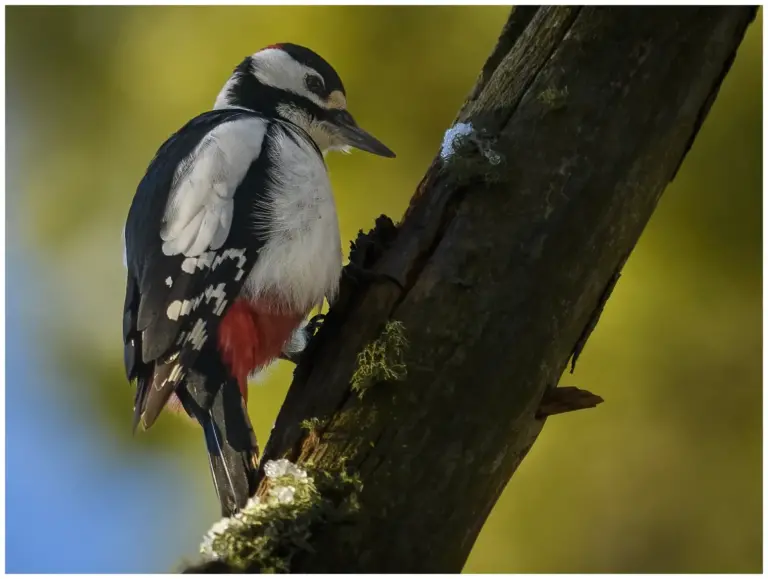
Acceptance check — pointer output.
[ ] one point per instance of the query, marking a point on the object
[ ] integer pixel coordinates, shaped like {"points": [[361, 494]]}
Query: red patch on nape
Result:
{"points": [[278, 45], [252, 335]]}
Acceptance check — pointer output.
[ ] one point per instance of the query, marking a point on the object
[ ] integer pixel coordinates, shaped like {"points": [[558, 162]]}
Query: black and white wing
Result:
{"points": [[191, 241]]}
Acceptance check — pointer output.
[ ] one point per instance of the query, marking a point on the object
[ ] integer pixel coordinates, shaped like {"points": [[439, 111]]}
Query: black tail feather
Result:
{"points": [[232, 450], [142, 386]]}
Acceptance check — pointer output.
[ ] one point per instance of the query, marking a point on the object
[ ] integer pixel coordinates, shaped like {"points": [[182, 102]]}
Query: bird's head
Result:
{"points": [[294, 83]]}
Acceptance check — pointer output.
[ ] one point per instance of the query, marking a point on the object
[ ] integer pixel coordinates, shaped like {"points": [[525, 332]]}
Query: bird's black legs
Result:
{"points": [[310, 329]]}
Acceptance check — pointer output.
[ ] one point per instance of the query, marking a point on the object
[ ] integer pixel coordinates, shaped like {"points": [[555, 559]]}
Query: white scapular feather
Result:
{"points": [[199, 210]]}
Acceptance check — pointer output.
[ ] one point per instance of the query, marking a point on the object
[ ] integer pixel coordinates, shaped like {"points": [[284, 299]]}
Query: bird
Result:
{"points": [[231, 240]]}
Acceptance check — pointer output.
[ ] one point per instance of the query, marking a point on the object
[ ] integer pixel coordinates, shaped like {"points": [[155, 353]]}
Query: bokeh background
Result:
{"points": [[665, 476]]}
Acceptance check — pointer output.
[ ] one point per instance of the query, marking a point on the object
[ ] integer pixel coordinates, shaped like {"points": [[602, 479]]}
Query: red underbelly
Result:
{"points": [[253, 334]]}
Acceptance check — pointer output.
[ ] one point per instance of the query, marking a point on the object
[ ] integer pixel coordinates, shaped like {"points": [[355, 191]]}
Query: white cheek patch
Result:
{"points": [[274, 67], [200, 206]]}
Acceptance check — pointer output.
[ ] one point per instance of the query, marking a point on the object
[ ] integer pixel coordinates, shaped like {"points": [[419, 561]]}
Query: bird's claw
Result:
{"points": [[310, 329], [313, 325]]}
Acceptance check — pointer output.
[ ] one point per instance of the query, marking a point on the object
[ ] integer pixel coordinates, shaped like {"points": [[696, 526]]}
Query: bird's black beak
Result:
{"points": [[353, 135]]}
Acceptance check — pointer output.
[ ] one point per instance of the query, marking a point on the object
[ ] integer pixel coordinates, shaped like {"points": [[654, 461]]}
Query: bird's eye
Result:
{"points": [[314, 84]]}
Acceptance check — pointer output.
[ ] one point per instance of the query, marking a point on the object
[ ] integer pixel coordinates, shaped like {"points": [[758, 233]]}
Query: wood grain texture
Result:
{"points": [[504, 268]]}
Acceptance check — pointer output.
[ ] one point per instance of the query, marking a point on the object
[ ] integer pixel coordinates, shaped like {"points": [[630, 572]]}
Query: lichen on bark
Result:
{"points": [[266, 534], [383, 360]]}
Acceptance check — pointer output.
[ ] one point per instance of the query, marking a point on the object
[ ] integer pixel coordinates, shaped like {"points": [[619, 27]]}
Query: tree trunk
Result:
{"points": [[497, 275]]}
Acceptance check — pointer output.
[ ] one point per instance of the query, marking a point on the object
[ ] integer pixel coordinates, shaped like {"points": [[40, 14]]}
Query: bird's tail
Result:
{"points": [[233, 452]]}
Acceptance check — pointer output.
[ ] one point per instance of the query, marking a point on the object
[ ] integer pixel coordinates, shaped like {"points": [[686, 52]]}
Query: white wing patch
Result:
{"points": [[191, 263], [198, 335], [178, 308], [232, 253], [201, 202], [210, 259]]}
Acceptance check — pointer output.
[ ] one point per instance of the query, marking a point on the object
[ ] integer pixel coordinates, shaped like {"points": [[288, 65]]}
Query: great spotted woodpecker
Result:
{"points": [[231, 240]]}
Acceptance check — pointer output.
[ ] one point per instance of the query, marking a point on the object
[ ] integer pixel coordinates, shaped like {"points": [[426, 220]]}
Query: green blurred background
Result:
{"points": [[665, 476]]}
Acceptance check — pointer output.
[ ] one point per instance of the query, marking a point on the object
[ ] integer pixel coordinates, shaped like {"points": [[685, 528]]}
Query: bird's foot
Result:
{"points": [[310, 329], [313, 325]]}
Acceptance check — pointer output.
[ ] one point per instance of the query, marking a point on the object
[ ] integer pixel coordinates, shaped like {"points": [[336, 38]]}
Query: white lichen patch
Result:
{"points": [[457, 131], [266, 533], [248, 536], [283, 494], [275, 469], [461, 132], [217, 529]]}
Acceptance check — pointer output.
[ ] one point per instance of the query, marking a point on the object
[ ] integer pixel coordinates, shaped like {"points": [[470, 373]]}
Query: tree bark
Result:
{"points": [[498, 273]]}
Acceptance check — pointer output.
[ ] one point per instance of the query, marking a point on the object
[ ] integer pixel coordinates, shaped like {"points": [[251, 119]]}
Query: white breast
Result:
{"points": [[300, 263]]}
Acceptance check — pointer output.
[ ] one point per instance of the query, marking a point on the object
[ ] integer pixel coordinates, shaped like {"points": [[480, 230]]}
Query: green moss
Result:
{"points": [[313, 427], [267, 533], [383, 360], [311, 424]]}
